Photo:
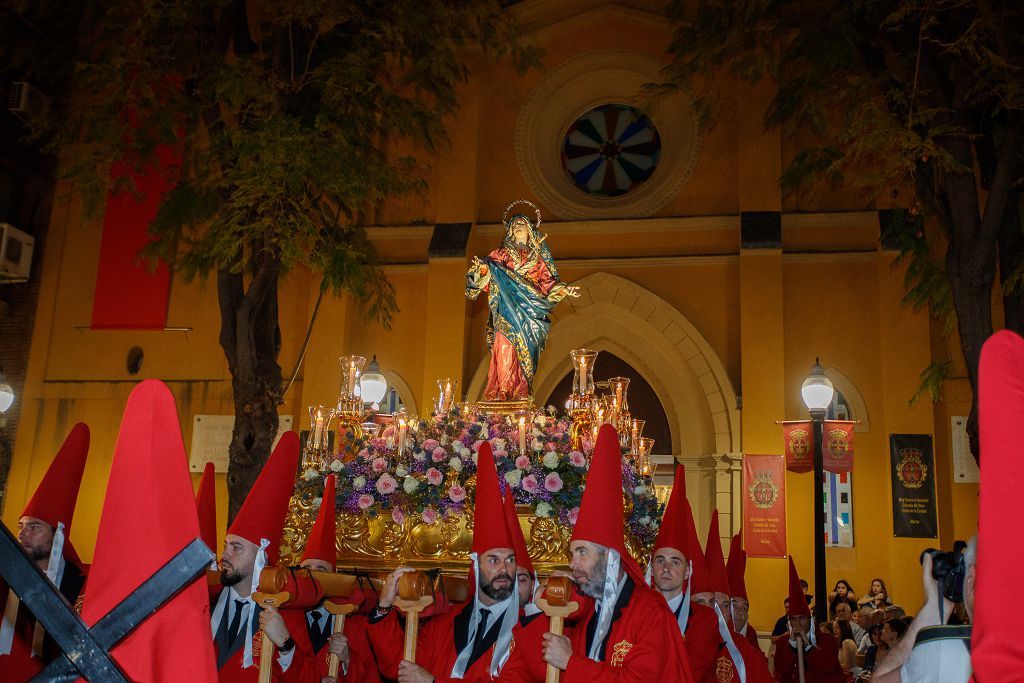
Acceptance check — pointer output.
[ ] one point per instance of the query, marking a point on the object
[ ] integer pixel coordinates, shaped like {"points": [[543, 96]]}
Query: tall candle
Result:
{"points": [[318, 429], [522, 434], [402, 428]]}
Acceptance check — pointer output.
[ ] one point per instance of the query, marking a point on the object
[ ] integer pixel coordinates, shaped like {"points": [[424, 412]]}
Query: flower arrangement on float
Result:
{"points": [[426, 468]]}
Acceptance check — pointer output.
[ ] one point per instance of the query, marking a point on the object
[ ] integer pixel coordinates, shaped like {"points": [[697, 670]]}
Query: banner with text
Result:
{"points": [[764, 505], [913, 486], [798, 437], [837, 446]]}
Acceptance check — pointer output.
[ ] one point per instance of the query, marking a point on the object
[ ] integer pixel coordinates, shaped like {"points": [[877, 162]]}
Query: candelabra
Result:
{"points": [[350, 411], [581, 400]]}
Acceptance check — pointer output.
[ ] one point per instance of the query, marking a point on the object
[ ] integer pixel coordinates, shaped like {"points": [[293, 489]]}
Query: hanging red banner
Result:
{"points": [[837, 446], [764, 505], [798, 440]]}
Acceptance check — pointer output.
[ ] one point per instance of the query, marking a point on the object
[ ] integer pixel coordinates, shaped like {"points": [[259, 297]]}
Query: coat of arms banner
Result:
{"points": [[798, 438], [764, 505], [913, 486]]}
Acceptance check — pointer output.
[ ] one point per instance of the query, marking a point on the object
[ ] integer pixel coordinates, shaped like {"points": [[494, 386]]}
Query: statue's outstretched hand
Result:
{"points": [[573, 291]]}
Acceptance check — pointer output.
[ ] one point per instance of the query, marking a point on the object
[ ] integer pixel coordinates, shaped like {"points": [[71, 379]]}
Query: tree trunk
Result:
{"points": [[1011, 257], [250, 337]]}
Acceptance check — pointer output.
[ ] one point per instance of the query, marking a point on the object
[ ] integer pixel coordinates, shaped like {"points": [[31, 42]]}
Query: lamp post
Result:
{"points": [[817, 392], [373, 385]]}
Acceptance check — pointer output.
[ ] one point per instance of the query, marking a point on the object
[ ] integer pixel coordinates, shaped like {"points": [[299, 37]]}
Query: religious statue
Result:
{"points": [[522, 287]]}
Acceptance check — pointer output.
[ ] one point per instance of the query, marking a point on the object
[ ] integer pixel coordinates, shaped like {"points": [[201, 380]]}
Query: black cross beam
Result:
{"points": [[87, 651]]}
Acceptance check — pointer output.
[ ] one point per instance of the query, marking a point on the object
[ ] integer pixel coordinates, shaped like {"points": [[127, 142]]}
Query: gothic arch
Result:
{"points": [[644, 330]]}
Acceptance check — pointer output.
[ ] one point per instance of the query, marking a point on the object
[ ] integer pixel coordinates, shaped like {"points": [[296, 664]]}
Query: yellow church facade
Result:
{"points": [[702, 277]]}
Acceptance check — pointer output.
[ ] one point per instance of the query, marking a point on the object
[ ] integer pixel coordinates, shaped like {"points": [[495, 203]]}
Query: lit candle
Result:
{"points": [[402, 428], [522, 434], [318, 429]]}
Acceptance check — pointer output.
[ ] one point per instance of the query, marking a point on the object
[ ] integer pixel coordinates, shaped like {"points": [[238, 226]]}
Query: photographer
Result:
{"points": [[932, 649]]}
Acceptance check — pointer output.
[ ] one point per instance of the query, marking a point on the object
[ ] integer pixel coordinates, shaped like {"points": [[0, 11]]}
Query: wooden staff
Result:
{"points": [[556, 604], [339, 612], [266, 644], [800, 657], [413, 597]]}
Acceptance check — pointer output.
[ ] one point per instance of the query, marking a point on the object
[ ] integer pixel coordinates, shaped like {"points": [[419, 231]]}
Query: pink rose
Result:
{"points": [[553, 482], [434, 476], [365, 501], [574, 514], [386, 484], [529, 484], [457, 493], [523, 462], [398, 516], [577, 459], [430, 444], [500, 453], [379, 464], [549, 446], [476, 445], [439, 454], [428, 516]]}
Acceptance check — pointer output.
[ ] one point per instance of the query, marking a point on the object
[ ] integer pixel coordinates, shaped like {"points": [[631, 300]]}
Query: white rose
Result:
{"points": [[537, 433], [543, 510], [359, 482], [410, 484], [645, 520], [310, 475], [400, 471], [474, 457], [513, 477], [640, 490], [498, 444], [551, 460], [336, 466], [540, 421], [455, 464]]}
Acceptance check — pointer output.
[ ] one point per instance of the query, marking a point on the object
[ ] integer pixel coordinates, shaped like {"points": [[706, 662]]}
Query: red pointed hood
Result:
{"points": [[149, 509], [797, 600], [56, 495], [323, 536], [736, 567], [672, 533], [714, 560], [490, 529], [206, 506], [601, 515], [516, 531], [265, 508]]}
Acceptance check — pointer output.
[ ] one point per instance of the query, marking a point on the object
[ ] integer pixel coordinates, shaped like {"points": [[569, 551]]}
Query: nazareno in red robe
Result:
{"points": [[643, 643], [435, 648], [362, 666], [821, 663], [302, 668]]}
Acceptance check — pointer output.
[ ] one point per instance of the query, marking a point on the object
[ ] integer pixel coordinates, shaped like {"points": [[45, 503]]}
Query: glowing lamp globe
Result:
{"points": [[372, 384], [817, 389]]}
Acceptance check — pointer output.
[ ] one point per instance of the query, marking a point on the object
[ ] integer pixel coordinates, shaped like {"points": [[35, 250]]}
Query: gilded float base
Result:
{"points": [[503, 407]]}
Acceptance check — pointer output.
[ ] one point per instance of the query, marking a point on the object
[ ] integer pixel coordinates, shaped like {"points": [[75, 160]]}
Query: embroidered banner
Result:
{"points": [[764, 505], [798, 438], [913, 486], [837, 446]]}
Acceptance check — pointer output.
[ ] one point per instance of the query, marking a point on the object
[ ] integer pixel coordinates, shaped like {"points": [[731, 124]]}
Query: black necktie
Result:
{"points": [[320, 633], [481, 634], [236, 621]]}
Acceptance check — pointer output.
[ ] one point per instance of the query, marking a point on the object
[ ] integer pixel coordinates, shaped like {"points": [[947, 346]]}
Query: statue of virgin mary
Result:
{"points": [[522, 287]]}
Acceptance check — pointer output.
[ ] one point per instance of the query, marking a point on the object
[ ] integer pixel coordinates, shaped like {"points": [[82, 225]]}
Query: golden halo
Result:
{"points": [[504, 216]]}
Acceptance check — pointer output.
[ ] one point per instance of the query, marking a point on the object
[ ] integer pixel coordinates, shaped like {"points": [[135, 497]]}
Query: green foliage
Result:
{"points": [[287, 117], [932, 378]]}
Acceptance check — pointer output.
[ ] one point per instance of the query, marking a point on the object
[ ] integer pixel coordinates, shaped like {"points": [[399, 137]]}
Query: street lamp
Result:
{"points": [[372, 384], [6, 393], [817, 392]]}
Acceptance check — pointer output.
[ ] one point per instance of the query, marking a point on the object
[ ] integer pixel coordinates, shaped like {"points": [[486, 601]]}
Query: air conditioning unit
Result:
{"points": [[15, 254], [26, 100]]}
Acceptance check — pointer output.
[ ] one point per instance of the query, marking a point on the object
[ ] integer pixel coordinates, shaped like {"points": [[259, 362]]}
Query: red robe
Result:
{"points": [[20, 665], [821, 663], [362, 666], [750, 633], [701, 641], [302, 668], [754, 661], [435, 648], [643, 643]]}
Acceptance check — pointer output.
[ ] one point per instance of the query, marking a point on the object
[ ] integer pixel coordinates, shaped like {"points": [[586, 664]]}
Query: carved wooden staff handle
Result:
{"points": [[266, 644], [413, 597], [339, 612], [556, 604]]}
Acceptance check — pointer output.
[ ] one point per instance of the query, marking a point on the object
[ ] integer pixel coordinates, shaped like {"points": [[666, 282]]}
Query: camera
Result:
{"points": [[948, 570]]}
